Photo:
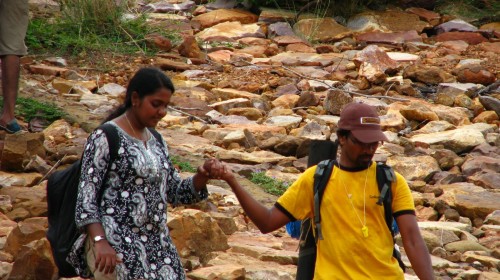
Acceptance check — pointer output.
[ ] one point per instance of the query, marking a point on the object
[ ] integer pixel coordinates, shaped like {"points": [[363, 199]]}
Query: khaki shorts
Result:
{"points": [[90, 254], [14, 18]]}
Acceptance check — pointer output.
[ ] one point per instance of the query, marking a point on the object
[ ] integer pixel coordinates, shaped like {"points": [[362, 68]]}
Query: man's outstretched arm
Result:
{"points": [[267, 220], [415, 247]]}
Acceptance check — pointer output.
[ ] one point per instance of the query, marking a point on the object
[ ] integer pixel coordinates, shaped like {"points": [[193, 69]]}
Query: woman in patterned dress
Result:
{"points": [[124, 233]]}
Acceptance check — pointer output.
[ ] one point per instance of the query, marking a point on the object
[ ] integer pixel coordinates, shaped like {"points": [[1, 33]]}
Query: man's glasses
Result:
{"points": [[370, 146]]}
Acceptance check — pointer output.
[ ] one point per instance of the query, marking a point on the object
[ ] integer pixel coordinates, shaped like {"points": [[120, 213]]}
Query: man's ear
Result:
{"points": [[342, 140]]}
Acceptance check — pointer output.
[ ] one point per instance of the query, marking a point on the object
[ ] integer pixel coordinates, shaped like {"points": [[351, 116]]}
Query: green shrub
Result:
{"points": [[93, 26], [29, 108], [183, 165], [475, 11], [270, 185]]}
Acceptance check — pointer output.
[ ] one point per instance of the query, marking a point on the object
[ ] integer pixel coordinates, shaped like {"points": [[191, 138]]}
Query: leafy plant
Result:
{"points": [[270, 185], [477, 11], [29, 108], [183, 165], [94, 26]]}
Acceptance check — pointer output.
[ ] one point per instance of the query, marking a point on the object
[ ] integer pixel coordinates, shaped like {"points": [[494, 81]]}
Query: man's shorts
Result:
{"points": [[14, 17]]}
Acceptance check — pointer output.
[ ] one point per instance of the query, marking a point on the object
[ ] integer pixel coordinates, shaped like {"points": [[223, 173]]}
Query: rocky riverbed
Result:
{"points": [[253, 89]]}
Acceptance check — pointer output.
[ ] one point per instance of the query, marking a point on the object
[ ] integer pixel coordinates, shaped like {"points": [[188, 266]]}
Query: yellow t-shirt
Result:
{"points": [[345, 253]]}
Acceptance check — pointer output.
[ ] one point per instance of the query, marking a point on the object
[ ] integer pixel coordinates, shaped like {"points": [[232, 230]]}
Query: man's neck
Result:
{"points": [[353, 168]]}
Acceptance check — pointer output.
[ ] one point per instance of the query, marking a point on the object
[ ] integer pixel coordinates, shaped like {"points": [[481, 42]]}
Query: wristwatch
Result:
{"points": [[98, 238]]}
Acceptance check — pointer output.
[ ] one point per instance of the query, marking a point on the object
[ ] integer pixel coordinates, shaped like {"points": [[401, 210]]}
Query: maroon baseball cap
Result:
{"points": [[363, 122]]}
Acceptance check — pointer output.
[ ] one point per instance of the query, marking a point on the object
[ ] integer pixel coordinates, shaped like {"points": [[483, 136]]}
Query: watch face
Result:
{"points": [[99, 238]]}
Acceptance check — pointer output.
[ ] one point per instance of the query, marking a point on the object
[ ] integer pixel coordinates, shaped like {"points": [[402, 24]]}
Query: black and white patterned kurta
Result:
{"points": [[140, 183]]}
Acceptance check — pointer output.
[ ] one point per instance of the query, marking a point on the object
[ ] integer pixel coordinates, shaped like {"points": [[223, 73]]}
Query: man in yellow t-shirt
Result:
{"points": [[356, 241]]}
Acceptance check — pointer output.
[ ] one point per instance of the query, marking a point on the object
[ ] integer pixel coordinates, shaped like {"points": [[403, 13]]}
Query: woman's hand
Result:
{"points": [[214, 169], [105, 258]]}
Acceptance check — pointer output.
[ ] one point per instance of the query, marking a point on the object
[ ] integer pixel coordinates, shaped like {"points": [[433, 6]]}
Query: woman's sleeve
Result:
{"points": [[181, 191], [94, 166]]}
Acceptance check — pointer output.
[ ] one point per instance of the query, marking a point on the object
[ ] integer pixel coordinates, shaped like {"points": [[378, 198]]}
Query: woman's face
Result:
{"points": [[152, 108]]}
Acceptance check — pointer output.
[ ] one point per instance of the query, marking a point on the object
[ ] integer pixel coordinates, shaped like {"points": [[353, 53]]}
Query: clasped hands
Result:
{"points": [[214, 169]]}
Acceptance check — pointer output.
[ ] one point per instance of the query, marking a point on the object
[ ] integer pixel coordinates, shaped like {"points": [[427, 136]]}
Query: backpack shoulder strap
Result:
{"points": [[321, 177], [112, 136], [385, 178]]}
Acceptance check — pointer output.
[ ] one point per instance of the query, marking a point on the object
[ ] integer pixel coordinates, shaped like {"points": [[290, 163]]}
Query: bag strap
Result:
{"points": [[321, 178], [112, 136], [385, 178]]}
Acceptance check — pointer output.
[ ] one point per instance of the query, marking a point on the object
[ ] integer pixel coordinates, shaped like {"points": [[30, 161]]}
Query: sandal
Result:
{"points": [[12, 127]]}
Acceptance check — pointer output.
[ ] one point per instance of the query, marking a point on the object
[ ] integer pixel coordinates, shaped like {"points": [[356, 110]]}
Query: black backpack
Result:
{"points": [[307, 248], [62, 191]]}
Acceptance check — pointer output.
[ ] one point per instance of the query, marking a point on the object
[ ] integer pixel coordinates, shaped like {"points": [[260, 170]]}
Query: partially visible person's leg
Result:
{"points": [[10, 78], [14, 17]]}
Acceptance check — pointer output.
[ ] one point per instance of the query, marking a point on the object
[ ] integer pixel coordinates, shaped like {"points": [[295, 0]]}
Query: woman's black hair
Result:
{"points": [[145, 81]]}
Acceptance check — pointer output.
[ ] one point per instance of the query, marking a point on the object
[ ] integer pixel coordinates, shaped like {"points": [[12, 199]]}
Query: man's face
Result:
{"points": [[356, 153]]}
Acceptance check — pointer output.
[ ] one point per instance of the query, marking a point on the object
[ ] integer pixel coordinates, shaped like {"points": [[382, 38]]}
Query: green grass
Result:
{"points": [[477, 12], [91, 27], [184, 166], [28, 109], [270, 185]]}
